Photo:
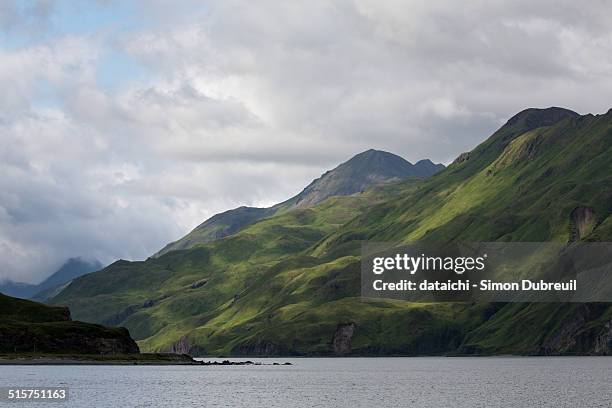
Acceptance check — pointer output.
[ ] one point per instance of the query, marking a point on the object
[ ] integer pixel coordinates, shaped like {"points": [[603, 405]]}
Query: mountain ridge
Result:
{"points": [[363, 170]]}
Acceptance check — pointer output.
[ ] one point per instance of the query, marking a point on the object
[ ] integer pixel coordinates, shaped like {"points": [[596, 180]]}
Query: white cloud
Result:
{"points": [[245, 104]]}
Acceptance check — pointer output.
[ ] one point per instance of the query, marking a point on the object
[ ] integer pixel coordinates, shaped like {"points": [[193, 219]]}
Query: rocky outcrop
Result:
{"points": [[582, 222], [182, 346], [577, 334], [603, 342], [463, 157], [342, 339], [198, 284]]}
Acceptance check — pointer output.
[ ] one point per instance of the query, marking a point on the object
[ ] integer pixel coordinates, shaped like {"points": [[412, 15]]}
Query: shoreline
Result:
{"points": [[150, 359], [158, 359], [88, 359]]}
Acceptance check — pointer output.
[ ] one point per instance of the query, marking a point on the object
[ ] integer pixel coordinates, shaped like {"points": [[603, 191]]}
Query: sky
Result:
{"points": [[125, 124]]}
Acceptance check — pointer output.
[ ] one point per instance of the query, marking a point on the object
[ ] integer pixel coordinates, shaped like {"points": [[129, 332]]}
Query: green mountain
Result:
{"points": [[290, 283], [30, 327], [355, 175], [71, 269]]}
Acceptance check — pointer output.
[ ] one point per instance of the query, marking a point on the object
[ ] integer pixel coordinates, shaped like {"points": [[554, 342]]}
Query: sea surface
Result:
{"points": [[332, 382]]}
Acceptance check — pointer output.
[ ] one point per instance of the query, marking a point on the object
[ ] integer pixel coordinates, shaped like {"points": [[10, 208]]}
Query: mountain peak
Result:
{"points": [[425, 161], [372, 153], [535, 117], [373, 157], [358, 173]]}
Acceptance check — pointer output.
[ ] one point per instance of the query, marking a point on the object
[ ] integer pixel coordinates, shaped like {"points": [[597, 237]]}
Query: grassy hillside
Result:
{"points": [[289, 284], [173, 291]]}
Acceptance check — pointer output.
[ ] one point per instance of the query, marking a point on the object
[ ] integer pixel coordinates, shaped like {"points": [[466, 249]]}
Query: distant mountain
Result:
{"points": [[425, 168], [72, 268], [353, 176], [46, 294]]}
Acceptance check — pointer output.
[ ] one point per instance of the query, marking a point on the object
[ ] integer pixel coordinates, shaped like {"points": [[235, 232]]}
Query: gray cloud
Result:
{"points": [[244, 105]]}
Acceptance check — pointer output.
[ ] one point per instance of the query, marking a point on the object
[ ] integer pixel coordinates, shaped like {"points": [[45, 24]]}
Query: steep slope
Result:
{"points": [[71, 269], [290, 284], [353, 176], [27, 327]]}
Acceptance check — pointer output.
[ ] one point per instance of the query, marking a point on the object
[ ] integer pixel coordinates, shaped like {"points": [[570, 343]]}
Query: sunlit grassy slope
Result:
{"points": [[285, 284]]}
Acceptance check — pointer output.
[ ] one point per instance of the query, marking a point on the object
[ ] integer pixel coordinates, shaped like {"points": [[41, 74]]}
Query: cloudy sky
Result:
{"points": [[124, 124]]}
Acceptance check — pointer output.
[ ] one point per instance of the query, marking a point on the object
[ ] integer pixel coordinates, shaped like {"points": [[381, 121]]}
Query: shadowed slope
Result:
{"points": [[30, 327]]}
